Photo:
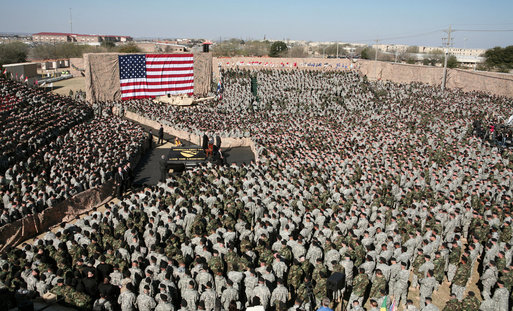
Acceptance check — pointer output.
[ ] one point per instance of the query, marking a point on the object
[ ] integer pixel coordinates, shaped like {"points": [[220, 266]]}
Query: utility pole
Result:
{"points": [[448, 44], [70, 21], [376, 56]]}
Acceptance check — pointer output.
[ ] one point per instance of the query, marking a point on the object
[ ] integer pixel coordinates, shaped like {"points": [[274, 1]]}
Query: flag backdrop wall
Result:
{"points": [[113, 76], [150, 75]]}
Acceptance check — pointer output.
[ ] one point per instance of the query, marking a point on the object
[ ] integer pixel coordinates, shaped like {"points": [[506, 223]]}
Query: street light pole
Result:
{"points": [[444, 78]]}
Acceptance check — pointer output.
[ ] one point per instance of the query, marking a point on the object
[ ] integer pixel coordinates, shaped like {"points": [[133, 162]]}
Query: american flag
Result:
{"points": [[150, 75]]}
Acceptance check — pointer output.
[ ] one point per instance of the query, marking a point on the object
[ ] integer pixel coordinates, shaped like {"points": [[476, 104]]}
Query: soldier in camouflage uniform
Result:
{"points": [[144, 301], [320, 289], [470, 302], [454, 304], [360, 283], [488, 279], [59, 290], [378, 285], [318, 269], [295, 277], [454, 259], [419, 260], [216, 263], [461, 278], [427, 286], [439, 268]]}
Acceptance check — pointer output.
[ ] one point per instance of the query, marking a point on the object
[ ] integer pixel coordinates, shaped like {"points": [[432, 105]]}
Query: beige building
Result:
{"points": [[453, 51], [161, 46], [391, 48], [59, 37]]}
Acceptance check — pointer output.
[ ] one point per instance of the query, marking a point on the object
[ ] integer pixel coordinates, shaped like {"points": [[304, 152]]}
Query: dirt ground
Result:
{"points": [[63, 87]]}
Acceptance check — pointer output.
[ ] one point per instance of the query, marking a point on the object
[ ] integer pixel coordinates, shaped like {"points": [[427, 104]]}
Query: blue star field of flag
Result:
{"points": [[132, 66]]}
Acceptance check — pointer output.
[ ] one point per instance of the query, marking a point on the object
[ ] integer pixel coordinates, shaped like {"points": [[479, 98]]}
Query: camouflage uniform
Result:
{"points": [[320, 289], [416, 273], [216, 264], [454, 305], [439, 264], [454, 258], [470, 303], [379, 284], [295, 277], [360, 283], [318, 270], [460, 280], [145, 302]]}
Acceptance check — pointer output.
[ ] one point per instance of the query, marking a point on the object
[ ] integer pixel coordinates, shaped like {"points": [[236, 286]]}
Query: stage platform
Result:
{"points": [[180, 158], [147, 171]]}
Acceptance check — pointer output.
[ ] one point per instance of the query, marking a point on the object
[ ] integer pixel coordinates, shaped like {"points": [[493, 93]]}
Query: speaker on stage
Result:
{"points": [[336, 281]]}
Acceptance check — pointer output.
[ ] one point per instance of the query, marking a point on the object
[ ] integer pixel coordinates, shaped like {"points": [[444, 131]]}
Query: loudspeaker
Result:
{"points": [[336, 281]]}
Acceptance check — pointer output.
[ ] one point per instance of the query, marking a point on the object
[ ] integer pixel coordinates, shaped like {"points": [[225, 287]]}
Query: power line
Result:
{"points": [[422, 34], [412, 36], [499, 24], [484, 30], [402, 36]]}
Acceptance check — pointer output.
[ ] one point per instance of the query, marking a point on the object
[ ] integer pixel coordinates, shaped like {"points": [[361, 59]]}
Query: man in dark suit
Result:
{"points": [[91, 285], [119, 180], [217, 142], [103, 269], [204, 142], [128, 172], [161, 135]]}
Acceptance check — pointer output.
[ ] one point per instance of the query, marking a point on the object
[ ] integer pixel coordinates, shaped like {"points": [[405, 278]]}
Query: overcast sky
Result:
{"points": [[413, 22]]}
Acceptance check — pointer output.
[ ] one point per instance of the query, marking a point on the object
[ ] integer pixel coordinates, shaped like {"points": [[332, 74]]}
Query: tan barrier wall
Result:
{"points": [[102, 76], [466, 80], [202, 73], [75, 65], [16, 232], [226, 142]]}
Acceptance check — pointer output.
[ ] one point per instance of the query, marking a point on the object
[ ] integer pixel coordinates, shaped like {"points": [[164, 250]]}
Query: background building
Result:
{"points": [[59, 37]]}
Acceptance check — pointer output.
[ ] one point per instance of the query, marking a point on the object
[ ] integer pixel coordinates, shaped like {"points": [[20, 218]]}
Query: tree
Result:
{"points": [[15, 52], [256, 48], [228, 48], [108, 44], [500, 58], [434, 58], [129, 48], [278, 48], [368, 53], [412, 49], [60, 50], [452, 62], [298, 52]]}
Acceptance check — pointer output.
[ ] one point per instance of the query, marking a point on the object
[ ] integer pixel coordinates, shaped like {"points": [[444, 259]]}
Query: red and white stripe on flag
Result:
{"points": [[151, 75]]}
